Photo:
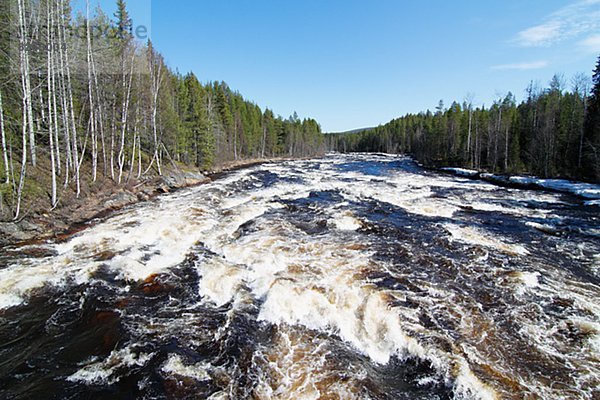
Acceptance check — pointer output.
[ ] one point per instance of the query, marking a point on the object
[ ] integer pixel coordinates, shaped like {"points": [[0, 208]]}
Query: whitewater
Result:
{"points": [[349, 276]]}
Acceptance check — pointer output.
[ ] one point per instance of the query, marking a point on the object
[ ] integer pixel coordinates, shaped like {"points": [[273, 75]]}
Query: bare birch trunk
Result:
{"points": [[133, 148], [4, 153], [91, 95], [124, 115], [264, 142], [24, 149], [50, 72], [156, 81], [113, 129], [75, 150], [55, 122], [139, 173], [497, 134], [469, 159], [54, 116], [506, 149], [25, 71], [100, 114], [63, 98], [25, 99]]}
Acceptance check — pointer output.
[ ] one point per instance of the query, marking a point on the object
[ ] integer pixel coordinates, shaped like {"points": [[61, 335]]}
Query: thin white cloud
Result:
{"points": [[591, 44], [540, 35], [571, 21], [522, 66]]}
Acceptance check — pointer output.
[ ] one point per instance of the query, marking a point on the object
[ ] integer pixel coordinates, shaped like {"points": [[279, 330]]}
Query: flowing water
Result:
{"points": [[359, 276]]}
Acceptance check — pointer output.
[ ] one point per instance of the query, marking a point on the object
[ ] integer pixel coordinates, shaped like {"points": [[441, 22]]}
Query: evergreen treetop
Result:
{"points": [[124, 21]]}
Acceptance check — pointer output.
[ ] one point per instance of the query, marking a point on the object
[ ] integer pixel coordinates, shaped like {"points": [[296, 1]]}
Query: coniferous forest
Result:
{"points": [[554, 132], [82, 98]]}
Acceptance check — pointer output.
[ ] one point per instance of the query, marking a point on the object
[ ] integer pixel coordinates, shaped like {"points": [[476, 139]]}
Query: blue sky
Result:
{"points": [[352, 64]]}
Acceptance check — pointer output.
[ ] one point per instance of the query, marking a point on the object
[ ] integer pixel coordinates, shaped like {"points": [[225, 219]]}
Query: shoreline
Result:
{"points": [[588, 193], [65, 221]]}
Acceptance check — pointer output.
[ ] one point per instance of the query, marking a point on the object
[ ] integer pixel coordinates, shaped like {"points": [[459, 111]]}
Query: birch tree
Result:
{"points": [[69, 93], [124, 117], [25, 74], [49, 80], [25, 99], [155, 65], [92, 115], [3, 133]]}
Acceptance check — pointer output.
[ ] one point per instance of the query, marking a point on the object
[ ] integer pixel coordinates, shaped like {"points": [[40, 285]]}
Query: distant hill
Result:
{"points": [[352, 131]]}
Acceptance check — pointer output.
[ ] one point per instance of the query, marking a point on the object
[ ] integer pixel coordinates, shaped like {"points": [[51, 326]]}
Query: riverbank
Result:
{"points": [[588, 192], [104, 198]]}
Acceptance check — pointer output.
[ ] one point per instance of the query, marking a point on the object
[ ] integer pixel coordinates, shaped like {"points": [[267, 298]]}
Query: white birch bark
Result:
{"points": [[4, 152], [50, 32], [124, 116], [75, 151], [91, 94], [24, 100], [25, 71], [63, 99]]}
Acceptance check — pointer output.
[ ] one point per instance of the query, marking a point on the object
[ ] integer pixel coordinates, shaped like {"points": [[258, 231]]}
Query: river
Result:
{"points": [[351, 276]]}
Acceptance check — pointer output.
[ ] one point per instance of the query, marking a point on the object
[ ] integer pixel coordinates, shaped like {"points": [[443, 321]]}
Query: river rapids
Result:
{"points": [[345, 277]]}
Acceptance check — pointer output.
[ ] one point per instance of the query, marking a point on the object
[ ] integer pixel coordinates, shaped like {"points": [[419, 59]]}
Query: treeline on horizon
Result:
{"points": [[81, 100], [552, 133]]}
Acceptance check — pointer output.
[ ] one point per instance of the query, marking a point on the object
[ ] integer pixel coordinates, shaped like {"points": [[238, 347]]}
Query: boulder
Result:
{"points": [[119, 200], [11, 232]]}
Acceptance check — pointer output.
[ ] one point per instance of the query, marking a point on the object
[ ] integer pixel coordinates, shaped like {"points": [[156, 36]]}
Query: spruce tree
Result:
{"points": [[124, 22], [592, 126]]}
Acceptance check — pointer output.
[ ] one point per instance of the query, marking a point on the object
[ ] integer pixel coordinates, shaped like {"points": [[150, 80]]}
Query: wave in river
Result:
{"points": [[357, 276]]}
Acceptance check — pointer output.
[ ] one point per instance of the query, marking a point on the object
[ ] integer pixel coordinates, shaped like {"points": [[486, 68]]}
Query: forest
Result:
{"points": [[554, 132], [83, 99]]}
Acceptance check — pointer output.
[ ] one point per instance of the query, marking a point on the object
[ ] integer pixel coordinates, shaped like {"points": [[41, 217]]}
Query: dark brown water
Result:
{"points": [[344, 277]]}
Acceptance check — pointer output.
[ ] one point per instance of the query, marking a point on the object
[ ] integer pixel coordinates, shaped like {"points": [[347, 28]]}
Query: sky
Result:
{"points": [[356, 63]]}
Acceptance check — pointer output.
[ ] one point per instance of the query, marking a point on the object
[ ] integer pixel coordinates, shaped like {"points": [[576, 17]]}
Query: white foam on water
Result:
{"points": [[543, 227], [105, 371], [143, 241], [18, 280], [8, 300], [297, 366], [175, 366], [316, 283], [429, 208], [522, 211], [530, 279], [471, 235], [527, 280], [404, 193], [468, 386], [345, 221], [220, 280], [580, 320]]}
